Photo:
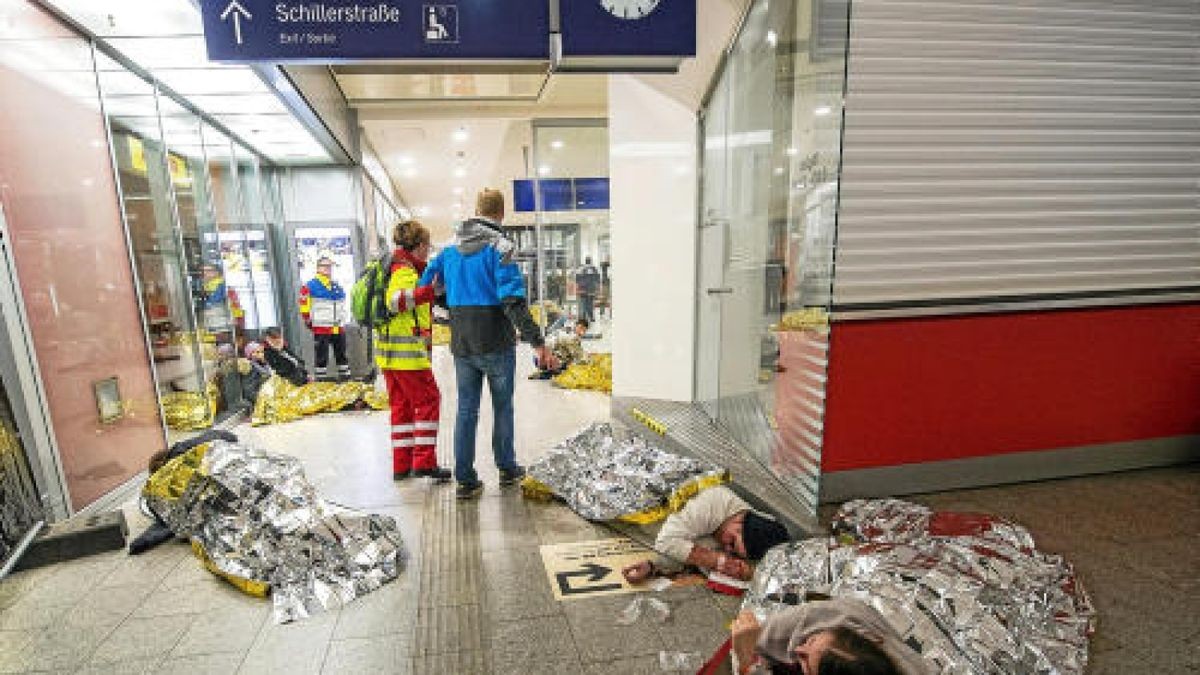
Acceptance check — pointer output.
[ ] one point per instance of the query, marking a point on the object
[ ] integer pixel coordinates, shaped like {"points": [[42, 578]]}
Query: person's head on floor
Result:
{"points": [[413, 237], [210, 271], [274, 337], [325, 266], [581, 326], [490, 204], [749, 535], [255, 352], [838, 651]]}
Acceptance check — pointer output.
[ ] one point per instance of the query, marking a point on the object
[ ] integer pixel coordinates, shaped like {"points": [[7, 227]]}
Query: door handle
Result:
{"points": [[721, 290]]}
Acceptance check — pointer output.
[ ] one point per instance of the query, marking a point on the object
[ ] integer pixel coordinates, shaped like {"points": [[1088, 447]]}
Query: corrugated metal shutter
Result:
{"points": [[1019, 150]]}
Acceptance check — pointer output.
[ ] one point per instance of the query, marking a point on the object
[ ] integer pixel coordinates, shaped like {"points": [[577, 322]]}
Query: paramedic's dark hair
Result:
{"points": [[583, 322]]}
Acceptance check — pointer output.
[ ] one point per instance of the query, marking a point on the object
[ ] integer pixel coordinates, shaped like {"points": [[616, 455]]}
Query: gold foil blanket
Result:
{"points": [[281, 401], [970, 592], [603, 475], [255, 520], [593, 372]]}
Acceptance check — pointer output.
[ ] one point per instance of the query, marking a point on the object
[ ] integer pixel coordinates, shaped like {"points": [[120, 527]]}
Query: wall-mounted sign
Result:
{"points": [[332, 31], [108, 400], [561, 194], [596, 31]]}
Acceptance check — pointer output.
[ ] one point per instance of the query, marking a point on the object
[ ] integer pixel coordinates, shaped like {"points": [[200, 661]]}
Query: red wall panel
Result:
{"points": [[923, 390]]}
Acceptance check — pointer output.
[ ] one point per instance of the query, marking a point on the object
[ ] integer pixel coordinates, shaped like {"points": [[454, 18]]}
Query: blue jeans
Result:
{"points": [[499, 368]]}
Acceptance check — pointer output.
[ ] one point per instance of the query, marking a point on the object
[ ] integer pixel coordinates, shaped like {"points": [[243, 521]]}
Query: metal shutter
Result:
{"points": [[1028, 151]]}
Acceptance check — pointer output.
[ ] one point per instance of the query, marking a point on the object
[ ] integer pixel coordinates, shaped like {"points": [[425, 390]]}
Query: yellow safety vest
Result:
{"points": [[399, 345]]}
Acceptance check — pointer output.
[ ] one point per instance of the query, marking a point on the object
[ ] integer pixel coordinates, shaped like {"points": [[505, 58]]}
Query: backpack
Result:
{"points": [[368, 296]]}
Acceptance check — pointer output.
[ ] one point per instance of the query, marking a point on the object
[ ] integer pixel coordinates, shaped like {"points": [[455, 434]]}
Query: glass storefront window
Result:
{"points": [[571, 162], [151, 179], [771, 135], [250, 269]]}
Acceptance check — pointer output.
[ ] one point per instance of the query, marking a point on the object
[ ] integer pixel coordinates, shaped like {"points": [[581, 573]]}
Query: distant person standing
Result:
{"points": [[587, 282], [323, 308], [485, 292]]}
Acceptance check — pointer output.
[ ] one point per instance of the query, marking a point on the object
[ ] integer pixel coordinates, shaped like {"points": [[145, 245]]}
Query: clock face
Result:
{"points": [[630, 9]]}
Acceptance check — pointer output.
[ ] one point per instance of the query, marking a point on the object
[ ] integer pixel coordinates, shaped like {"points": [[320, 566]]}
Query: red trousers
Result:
{"points": [[416, 404]]}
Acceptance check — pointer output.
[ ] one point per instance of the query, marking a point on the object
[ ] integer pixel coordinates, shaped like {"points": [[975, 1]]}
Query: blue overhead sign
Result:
{"points": [[628, 28], [332, 31]]}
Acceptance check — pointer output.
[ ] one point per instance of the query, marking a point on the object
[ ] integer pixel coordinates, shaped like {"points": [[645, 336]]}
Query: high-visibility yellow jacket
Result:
{"points": [[403, 343]]}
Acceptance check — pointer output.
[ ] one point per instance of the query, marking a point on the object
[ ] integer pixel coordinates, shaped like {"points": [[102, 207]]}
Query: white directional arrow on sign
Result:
{"points": [[238, 12]]}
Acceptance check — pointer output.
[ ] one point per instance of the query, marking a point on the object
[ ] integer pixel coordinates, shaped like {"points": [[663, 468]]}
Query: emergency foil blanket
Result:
{"points": [[281, 401], [257, 522], [605, 476], [969, 592], [593, 372], [190, 410]]}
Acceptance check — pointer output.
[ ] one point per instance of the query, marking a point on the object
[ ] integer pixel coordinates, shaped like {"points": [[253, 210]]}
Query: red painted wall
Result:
{"points": [[923, 390]]}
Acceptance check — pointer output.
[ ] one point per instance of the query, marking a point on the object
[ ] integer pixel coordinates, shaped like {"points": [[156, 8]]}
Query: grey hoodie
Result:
{"points": [[786, 630], [473, 234]]}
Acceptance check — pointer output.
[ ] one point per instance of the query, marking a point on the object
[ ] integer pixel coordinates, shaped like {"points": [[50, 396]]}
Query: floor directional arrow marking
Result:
{"points": [[593, 572]]}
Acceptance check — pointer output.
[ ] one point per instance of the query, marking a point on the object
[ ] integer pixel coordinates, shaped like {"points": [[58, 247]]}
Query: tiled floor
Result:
{"points": [[475, 598]]}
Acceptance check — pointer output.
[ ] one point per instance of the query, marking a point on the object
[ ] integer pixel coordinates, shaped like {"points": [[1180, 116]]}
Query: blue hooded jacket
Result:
{"points": [[485, 290]]}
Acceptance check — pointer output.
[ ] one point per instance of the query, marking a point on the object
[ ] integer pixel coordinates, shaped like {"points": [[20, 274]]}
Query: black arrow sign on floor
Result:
{"points": [[593, 572]]}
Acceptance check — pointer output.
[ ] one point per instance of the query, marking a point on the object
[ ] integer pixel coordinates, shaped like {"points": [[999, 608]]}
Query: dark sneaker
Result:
{"points": [[468, 490], [437, 473], [400, 475], [511, 476]]}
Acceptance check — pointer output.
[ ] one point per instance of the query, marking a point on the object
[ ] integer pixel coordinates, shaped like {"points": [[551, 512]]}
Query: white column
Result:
{"points": [[652, 154]]}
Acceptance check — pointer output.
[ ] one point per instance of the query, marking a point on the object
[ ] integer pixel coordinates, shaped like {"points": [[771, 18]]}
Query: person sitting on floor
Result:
{"points": [[716, 530], [282, 359], [565, 345], [841, 635]]}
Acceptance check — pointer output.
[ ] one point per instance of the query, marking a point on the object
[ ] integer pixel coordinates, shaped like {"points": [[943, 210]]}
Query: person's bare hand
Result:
{"points": [[546, 359], [638, 572], [736, 568], [746, 630]]}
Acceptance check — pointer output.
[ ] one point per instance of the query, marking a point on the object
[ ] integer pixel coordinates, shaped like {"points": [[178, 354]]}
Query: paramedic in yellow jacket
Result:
{"points": [[323, 308], [402, 348]]}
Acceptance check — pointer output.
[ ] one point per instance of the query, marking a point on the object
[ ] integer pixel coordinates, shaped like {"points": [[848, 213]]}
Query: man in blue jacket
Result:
{"points": [[486, 296]]}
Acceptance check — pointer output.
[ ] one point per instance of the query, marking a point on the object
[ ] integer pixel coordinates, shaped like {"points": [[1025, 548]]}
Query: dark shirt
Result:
{"points": [[587, 280], [286, 364]]}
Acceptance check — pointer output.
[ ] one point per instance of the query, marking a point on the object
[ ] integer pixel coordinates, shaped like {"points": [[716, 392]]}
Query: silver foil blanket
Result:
{"points": [[970, 592], [602, 475], [258, 518]]}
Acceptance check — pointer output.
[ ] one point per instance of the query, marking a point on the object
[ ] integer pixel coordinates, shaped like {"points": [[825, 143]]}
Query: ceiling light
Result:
{"points": [[460, 135], [410, 172], [772, 38], [791, 152], [460, 172], [557, 145], [822, 110], [543, 170], [406, 160], [779, 171]]}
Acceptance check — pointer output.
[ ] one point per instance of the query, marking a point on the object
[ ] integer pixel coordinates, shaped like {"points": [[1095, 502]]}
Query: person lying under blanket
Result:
{"points": [[715, 530], [840, 635]]}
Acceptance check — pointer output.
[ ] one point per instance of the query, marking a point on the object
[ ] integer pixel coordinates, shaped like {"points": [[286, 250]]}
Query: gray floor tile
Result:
{"points": [[639, 665], [520, 596], [389, 610], [131, 667], [600, 638], [696, 625], [141, 639], [230, 630], [297, 647], [521, 645], [367, 656], [14, 586], [150, 567], [108, 606], [440, 630], [200, 664], [12, 644], [210, 594], [459, 663]]}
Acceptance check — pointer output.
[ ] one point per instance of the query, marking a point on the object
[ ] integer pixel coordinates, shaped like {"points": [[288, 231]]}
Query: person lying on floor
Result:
{"points": [[841, 635], [158, 532], [566, 346], [716, 530]]}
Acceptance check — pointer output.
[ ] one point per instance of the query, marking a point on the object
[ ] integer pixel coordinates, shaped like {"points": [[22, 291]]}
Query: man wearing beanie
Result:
{"points": [[716, 530]]}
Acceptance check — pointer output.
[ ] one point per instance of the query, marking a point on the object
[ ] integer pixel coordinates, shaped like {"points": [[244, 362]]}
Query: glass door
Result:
{"points": [[306, 244]]}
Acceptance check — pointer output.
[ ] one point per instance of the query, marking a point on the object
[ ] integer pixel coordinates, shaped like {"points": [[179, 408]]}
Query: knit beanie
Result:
{"points": [[760, 533]]}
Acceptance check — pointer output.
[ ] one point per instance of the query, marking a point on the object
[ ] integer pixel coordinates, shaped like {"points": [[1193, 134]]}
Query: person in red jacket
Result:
{"points": [[323, 308]]}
